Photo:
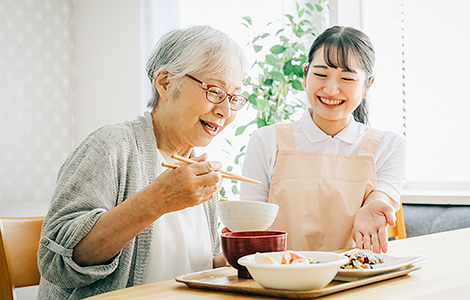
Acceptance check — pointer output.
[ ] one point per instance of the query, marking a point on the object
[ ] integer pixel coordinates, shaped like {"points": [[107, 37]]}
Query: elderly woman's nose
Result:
{"points": [[331, 87], [223, 109]]}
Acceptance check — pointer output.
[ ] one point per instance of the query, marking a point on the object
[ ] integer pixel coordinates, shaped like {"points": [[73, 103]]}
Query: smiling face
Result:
{"points": [[186, 118], [334, 93]]}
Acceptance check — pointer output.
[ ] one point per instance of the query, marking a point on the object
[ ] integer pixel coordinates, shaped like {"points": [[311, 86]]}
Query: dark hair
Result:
{"points": [[339, 43]]}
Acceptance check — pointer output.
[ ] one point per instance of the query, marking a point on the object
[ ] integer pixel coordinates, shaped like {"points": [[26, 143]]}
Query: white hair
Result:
{"points": [[196, 50]]}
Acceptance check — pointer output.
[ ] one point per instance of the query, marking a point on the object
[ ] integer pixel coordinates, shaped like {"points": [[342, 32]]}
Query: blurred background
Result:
{"points": [[68, 67]]}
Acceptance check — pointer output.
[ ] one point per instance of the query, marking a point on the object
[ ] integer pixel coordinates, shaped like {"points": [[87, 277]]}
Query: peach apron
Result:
{"points": [[319, 193]]}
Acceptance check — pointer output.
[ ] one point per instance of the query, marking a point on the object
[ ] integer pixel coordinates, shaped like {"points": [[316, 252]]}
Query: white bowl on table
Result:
{"points": [[295, 277], [241, 215]]}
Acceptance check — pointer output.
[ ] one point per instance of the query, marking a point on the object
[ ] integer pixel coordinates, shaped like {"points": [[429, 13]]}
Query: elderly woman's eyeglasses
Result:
{"points": [[216, 95]]}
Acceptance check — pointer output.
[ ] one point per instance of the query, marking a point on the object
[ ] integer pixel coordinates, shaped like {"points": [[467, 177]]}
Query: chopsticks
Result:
{"points": [[225, 174]]}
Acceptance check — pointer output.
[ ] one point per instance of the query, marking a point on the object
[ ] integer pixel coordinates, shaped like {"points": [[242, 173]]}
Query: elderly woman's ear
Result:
{"points": [[162, 84]]}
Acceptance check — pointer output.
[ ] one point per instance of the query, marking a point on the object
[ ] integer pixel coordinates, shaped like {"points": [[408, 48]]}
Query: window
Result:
{"points": [[426, 85]]}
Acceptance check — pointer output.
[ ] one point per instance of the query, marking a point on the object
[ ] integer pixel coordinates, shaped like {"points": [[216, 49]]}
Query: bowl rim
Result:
{"points": [[248, 201], [342, 259], [272, 233]]}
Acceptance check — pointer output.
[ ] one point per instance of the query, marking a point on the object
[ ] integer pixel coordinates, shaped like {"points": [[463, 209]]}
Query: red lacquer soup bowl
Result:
{"points": [[241, 243]]}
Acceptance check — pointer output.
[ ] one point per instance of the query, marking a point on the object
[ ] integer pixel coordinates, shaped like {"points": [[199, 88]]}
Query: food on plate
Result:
{"points": [[362, 259], [261, 258], [289, 258]]}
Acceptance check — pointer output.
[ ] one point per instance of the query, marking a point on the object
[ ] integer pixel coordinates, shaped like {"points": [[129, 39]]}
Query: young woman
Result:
{"points": [[336, 180]]}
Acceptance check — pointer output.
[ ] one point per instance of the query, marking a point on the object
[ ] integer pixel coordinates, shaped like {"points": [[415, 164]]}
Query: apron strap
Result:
{"points": [[370, 142], [285, 137]]}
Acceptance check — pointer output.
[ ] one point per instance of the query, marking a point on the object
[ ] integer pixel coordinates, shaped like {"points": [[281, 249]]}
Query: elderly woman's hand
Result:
{"points": [[370, 225], [186, 186]]}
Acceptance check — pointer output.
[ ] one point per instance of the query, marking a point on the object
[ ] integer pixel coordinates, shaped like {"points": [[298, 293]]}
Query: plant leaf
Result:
{"points": [[248, 19], [276, 49], [297, 70], [261, 123], [268, 82], [272, 59], [290, 17], [257, 48], [278, 76], [287, 68], [252, 99], [222, 192], [261, 104], [240, 130], [237, 158], [235, 189], [228, 142], [296, 84]]}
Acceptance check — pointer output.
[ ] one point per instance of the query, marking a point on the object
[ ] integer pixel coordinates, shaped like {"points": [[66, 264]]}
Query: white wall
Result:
{"points": [[67, 68], [346, 13], [36, 101], [107, 63]]}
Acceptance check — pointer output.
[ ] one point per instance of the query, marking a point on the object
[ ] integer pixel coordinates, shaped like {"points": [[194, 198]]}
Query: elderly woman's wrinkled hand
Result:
{"points": [[186, 186], [370, 225]]}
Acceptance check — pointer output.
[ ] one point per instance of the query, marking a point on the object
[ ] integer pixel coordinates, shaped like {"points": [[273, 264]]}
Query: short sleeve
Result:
{"points": [[259, 164], [390, 163]]}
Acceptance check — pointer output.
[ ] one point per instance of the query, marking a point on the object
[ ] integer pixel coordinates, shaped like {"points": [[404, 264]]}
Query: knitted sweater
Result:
{"points": [[109, 166]]}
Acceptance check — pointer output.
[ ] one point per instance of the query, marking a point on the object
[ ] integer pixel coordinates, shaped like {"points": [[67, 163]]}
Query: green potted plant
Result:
{"points": [[279, 72]]}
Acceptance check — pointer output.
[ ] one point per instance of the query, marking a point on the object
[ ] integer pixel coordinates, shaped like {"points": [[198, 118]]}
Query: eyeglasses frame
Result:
{"points": [[229, 96]]}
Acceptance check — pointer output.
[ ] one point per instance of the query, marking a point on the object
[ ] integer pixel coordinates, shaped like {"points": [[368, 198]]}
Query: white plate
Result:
{"points": [[391, 263]]}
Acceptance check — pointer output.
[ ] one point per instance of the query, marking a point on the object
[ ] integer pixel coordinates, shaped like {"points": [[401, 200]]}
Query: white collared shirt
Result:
{"points": [[262, 150]]}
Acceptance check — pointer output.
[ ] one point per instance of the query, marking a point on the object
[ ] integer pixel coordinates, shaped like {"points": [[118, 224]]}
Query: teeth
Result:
{"points": [[330, 102], [210, 126]]}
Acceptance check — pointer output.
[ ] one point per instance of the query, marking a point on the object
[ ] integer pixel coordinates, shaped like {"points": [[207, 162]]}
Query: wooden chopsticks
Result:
{"points": [[225, 174]]}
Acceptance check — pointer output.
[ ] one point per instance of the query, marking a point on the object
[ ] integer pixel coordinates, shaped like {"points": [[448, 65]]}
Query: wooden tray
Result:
{"points": [[225, 279]]}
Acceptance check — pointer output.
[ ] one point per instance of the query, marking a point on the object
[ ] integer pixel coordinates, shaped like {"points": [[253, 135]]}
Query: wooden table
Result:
{"points": [[445, 274]]}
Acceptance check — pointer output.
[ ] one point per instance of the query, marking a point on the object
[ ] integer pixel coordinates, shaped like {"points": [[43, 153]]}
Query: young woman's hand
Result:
{"points": [[370, 225]]}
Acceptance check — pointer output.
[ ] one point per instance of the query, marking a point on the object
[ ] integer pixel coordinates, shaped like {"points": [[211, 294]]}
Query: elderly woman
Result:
{"points": [[117, 217]]}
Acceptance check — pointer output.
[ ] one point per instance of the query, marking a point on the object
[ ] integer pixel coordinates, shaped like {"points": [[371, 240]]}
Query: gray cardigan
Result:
{"points": [[109, 166]]}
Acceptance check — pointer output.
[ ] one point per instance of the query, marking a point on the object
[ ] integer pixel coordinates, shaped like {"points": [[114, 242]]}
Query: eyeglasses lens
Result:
{"points": [[237, 102], [216, 95]]}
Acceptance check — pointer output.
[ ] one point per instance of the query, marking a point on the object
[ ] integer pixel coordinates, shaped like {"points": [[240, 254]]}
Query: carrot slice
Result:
{"points": [[291, 257]]}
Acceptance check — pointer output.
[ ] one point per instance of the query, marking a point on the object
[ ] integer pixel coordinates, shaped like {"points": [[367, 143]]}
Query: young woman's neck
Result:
{"points": [[330, 127]]}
